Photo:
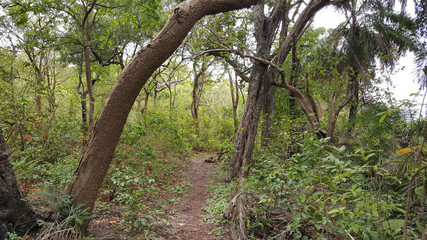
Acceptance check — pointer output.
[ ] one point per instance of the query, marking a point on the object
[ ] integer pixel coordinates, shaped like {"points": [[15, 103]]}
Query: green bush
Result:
{"points": [[321, 187]]}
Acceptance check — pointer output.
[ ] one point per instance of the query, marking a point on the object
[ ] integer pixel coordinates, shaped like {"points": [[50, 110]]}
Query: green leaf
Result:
{"points": [[420, 191], [394, 224], [303, 197], [383, 117]]}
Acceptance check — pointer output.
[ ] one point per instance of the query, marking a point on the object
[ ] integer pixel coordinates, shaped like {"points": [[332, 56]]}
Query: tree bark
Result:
{"points": [[83, 93], [15, 214], [268, 110], [234, 90], [89, 85], [198, 85], [260, 85], [195, 97], [247, 131], [100, 150], [353, 89]]}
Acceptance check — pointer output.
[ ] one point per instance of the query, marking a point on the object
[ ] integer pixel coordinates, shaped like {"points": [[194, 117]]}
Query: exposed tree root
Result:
{"points": [[238, 213]]}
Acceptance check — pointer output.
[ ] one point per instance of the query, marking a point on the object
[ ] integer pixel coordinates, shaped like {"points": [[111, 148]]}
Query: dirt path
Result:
{"points": [[189, 225]]}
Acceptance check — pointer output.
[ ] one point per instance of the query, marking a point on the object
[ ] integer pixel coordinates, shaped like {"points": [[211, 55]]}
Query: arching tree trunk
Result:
{"points": [[99, 152], [15, 214]]}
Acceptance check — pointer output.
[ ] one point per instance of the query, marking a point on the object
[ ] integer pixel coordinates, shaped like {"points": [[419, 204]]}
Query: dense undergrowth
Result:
{"points": [[326, 192], [333, 190]]}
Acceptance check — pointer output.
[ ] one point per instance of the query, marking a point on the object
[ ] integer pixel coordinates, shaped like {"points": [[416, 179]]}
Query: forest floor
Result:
{"points": [[180, 220], [189, 223]]}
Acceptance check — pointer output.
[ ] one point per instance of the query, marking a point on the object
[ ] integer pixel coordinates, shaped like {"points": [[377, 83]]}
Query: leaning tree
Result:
{"points": [[99, 152]]}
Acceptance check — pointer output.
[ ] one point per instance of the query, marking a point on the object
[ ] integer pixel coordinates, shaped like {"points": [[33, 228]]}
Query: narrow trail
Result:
{"points": [[189, 224]]}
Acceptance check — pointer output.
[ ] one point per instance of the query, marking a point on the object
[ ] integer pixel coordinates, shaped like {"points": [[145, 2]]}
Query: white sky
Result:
{"points": [[404, 80]]}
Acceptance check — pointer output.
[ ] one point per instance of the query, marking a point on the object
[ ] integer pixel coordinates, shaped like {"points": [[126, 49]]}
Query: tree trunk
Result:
{"points": [[247, 131], [147, 96], [39, 77], [38, 94], [100, 150], [353, 89], [84, 111], [234, 90], [195, 99], [15, 214], [89, 85], [268, 110], [51, 80], [258, 88], [198, 84], [83, 93]]}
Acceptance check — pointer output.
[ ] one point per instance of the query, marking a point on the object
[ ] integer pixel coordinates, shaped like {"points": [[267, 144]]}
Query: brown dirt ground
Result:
{"points": [[189, 224]]}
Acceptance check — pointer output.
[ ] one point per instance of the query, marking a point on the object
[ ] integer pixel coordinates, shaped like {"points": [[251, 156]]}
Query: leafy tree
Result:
{"points": [[371, 32], [99, 31], [421, 59]]}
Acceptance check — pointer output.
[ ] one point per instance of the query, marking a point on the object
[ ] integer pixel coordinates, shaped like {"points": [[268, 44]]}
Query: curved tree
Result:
{"points": [[99, 152]]}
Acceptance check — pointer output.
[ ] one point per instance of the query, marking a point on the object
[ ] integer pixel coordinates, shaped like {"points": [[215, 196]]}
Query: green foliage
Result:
{"points": [[51, 162], [220, 193], [166, 132], [359, 190], [216, 127], [13, 236], [219, 201], [323, 187]]}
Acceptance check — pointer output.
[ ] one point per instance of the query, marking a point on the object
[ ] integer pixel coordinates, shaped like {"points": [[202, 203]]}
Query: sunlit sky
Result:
{"points": [[404, 77]]}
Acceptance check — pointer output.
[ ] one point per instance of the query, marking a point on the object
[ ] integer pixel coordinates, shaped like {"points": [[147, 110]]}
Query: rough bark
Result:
{"points": [[246, 134], [234, 90], [268, 110], [89, 85], [99, 152], [195, 96], [259, 85], [15, 214]]}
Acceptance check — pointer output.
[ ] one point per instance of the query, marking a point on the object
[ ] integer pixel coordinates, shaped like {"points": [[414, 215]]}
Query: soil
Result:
{"points": [[185, 216], [189, 224]]}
